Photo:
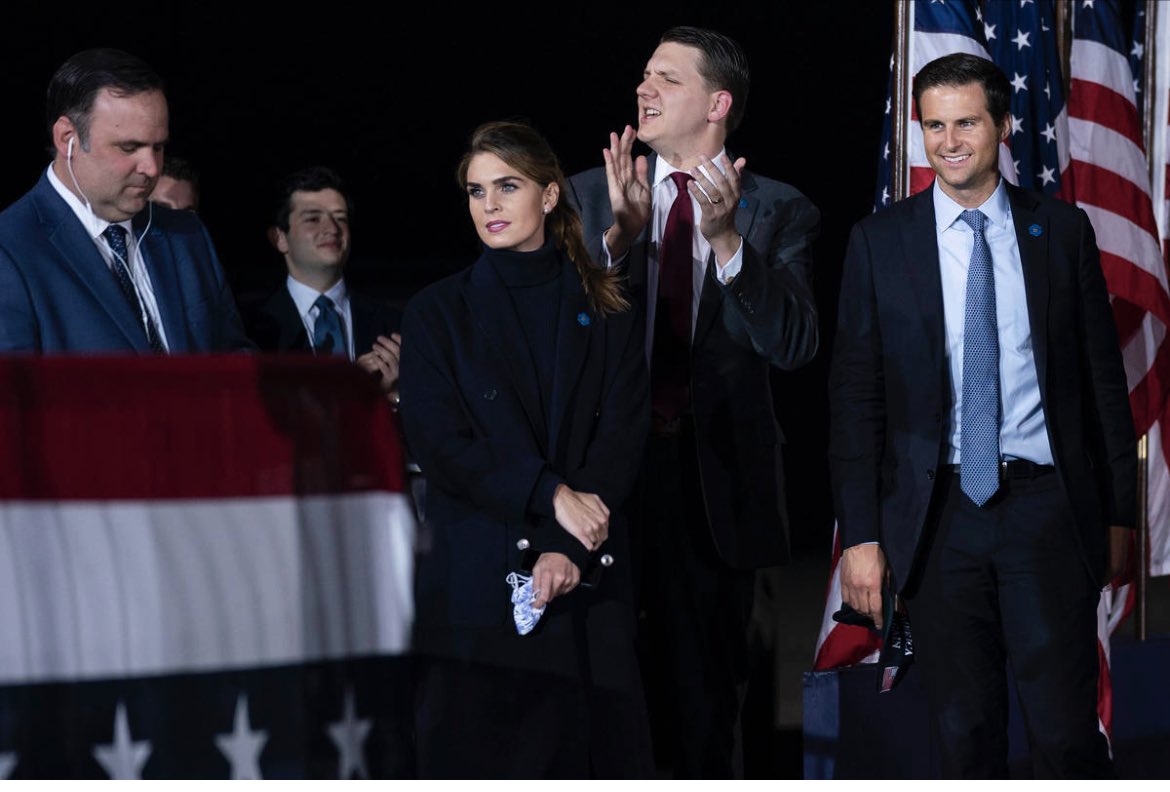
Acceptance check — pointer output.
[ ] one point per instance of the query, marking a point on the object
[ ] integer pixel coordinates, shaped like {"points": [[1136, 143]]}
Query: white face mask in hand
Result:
{"points": [[523, 596]]}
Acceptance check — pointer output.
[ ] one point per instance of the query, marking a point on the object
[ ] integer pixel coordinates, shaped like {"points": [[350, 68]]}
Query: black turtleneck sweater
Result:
{"points": [[533, 281]]}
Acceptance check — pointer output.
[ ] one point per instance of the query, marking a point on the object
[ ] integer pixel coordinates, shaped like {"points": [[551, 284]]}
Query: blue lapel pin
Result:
{"points": [[583, 319], [1035, 229], [743, 203]]}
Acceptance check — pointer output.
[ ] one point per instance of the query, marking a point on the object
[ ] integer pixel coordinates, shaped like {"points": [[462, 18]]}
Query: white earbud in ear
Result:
{"points": [[69, 151]]}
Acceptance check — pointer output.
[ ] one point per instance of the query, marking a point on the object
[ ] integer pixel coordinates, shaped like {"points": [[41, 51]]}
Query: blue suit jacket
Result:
{"points": [[57, 295]]}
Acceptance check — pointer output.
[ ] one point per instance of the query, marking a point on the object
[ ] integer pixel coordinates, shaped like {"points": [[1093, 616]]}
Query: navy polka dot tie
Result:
{"points": [[116, 237], [979, 435]]}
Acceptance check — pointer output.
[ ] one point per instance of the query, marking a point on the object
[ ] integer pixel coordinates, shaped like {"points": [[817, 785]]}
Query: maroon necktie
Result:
{"points": [[671, 358]]}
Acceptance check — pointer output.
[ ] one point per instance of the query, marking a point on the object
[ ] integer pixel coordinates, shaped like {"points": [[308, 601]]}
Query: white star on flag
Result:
{"points": [[886, 152], [124, 758], [1046, 175], [1017, 125], [988, 31], [1016, 167], [243, 746], [348, 734], [885, 196], [1020, 82], [1021, 40], [1049, 133], [8, 763], [1138, 50]]}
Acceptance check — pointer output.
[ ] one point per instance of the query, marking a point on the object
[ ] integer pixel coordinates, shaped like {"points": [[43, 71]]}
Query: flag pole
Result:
{"points": [[1142, 540], [899, 97]]}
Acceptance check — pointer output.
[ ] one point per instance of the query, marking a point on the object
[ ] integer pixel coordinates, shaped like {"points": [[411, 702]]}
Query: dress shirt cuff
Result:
{"points": [[607, 258], [728, 271]]}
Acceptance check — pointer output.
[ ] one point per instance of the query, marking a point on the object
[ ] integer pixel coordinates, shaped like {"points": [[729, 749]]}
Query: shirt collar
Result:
{"points": [[947, 211], [304, 296], [93, 225], [663, 169]]}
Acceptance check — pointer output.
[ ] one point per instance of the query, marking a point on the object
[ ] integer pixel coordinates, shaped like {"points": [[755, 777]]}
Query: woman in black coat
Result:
{"points": [[525, 402]]}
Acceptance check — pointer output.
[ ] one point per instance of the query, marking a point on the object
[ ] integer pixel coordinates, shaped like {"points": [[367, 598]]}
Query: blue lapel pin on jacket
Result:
{"points": [[1035, 229], [743, 203], [583, 319]]}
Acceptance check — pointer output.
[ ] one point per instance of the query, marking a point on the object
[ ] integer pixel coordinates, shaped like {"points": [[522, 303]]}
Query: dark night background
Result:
{"points": [[388, 95], [388, 98]]}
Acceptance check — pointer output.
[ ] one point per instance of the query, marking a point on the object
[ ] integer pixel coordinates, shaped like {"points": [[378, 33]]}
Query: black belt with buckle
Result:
{"points": [[1010, 469]]}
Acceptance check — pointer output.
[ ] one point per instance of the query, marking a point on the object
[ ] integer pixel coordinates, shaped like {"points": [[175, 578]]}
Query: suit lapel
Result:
{"points": [[495, 319], [163, 271], [1032, 238], [575, 327], [78, 250], [287, 319], [920, 241]]}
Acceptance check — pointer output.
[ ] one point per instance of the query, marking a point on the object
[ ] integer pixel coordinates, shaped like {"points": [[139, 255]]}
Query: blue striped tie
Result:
{"points": [[979, 440]]}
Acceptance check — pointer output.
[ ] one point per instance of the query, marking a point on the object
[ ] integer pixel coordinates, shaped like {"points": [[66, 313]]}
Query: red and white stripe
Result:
{"points": [[170, 515], [1159, 547], [1111, 183]]}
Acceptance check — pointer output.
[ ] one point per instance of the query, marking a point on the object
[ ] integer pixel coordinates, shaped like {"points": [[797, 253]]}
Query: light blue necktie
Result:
{"points": [[328, 334], [979, 449]]}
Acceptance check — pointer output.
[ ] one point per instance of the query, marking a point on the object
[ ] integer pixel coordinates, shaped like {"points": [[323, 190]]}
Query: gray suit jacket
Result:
{"points": [[765, 317]]}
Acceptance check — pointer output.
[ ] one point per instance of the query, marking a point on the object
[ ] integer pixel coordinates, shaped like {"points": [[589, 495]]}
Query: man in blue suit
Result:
{"points": [[87, 264]]}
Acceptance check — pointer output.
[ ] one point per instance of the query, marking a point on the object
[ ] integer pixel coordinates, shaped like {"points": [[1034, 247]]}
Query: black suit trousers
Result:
{"points": [[1006, 584], [694, 615]]}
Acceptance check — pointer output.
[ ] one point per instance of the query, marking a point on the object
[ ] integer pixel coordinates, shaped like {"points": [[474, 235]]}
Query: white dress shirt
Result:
{"points": [[95, 227], [304, 297], [663, 194]]}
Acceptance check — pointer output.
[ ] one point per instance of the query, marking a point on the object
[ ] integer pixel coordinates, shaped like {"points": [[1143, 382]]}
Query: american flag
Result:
{"points": [[1088, 151], [1112, 185], [205, 571]]}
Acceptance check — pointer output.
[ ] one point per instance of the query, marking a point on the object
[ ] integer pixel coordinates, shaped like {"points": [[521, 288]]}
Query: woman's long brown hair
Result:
{"points": [[523, 148]]}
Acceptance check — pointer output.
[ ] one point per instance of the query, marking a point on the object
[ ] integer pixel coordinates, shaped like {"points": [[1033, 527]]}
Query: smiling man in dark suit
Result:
{"points": [[719, 260], [315, 310], [981, 441], [86, 265]]}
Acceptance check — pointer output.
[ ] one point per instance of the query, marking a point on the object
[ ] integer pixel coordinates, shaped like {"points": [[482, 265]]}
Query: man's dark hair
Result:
{"points": [[308, 180], [180, 169], [963, 69], [76, 84], [723, 66]]}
